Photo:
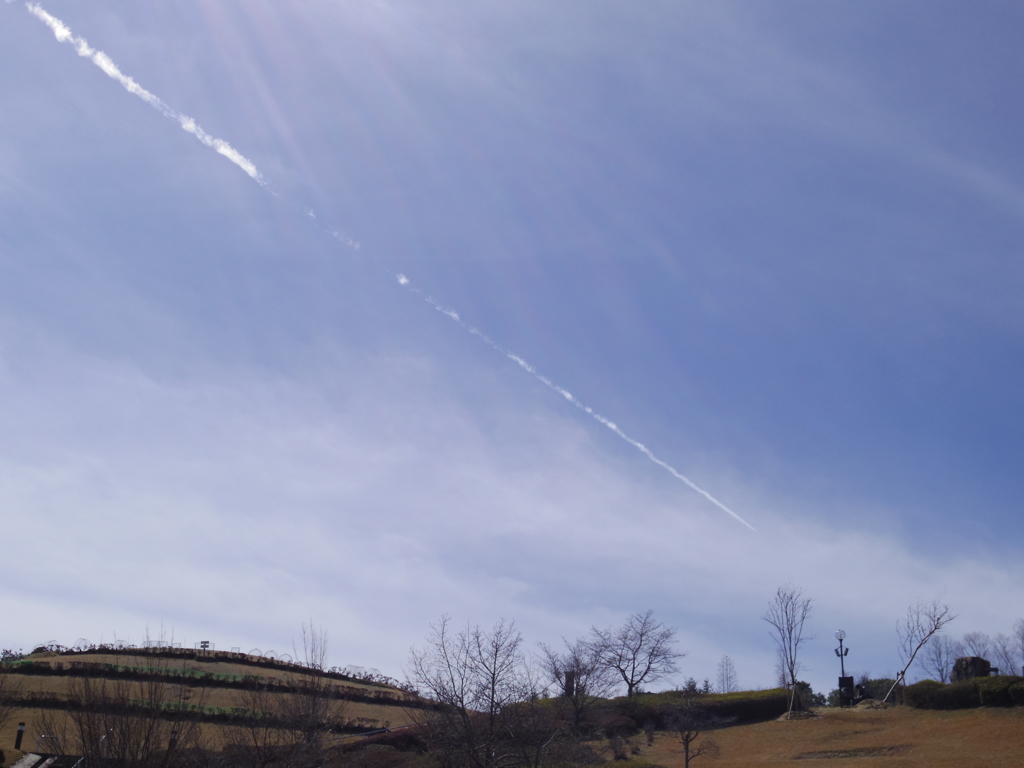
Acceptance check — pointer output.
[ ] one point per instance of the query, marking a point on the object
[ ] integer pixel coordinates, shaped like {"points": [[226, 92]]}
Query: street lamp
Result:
{"points": [[840, 651], [845, 683]]}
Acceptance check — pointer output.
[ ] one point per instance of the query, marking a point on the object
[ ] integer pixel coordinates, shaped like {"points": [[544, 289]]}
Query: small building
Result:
{"points": [[970, 667]]}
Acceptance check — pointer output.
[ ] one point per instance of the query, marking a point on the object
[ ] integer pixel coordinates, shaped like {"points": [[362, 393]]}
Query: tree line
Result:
{"points": [[486, 700], [920, 639]]}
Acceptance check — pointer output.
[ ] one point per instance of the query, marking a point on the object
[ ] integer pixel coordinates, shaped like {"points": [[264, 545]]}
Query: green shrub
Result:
{"points": [[998, 691], [962, 695], [877, 688], [747, 706], [1017, 694], [919, 695], [995, 691], [646, 708], [624, 716]]}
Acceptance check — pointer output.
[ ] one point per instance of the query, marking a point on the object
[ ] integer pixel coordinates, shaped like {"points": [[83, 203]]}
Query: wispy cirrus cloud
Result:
{"points": [[64, 34], [238, 506]]}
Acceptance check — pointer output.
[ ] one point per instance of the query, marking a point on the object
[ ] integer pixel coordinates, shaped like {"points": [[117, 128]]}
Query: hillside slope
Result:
{"points": [[224, 692], [896, 737]]}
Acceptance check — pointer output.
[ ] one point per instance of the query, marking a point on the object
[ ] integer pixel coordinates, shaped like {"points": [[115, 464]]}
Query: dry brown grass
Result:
{"points": [[384, 714], [898, 737]]}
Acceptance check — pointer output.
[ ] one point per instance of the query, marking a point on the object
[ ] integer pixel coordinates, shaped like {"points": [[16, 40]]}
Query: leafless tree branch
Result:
{"points": [[787, 613], [638, 652], [922, 622]]}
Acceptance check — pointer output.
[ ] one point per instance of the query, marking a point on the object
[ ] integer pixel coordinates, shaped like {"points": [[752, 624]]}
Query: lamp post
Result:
{"points": [[841, 652], [845, 683]]}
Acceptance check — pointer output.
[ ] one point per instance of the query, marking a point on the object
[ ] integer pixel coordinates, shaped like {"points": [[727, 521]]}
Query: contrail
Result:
{"points": [[64, 35], [454, 316]]}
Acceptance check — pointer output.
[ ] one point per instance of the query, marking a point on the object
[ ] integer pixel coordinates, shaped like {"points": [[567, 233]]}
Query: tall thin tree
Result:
{"points": [[922, 622], [727, 676], [787, 613]]}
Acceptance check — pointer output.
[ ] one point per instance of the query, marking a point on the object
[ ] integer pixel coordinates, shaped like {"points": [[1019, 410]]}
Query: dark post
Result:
{"points": [[845, 683], [21, 734]]}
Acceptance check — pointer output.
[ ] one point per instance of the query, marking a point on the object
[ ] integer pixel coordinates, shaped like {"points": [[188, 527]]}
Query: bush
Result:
{"points": [[656, 708], [919, 695], [1017, 694], [619, 748], [623, 716], [962, 695], [995, 691], [615, 725], [998, 691], [807, 697], [877, 688], [748, 706]]}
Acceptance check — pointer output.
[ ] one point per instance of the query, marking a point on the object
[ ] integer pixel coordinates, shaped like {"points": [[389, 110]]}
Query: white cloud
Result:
{"points": [[237, 506]]}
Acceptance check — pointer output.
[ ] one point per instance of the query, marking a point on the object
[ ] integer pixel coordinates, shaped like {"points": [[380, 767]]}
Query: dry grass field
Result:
{"points": [[897, 737], [389, 711]]}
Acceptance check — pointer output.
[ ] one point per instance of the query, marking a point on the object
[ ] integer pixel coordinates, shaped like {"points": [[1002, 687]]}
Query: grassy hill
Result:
{"points": [[224, 693], [896, 737], [232, 698]]}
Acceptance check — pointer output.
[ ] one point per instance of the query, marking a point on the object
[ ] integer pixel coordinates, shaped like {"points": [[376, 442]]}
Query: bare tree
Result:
{"points": [[536, 733], [727, 676], [781, 676], [786, 614], [487, 713], [938, 658], [54, 735], [692, 720], [958, 649], [922, 622], [263, 739], [310, 710], [638, 652], [1018, 644], [130, 723], [1004, 654], [287, 728], [581, 676], [10, 691], [977, 644]]}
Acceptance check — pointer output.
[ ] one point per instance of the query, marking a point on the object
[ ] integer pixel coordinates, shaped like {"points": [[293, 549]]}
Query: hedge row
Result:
{"points": [[658, 709], [205, 679], [203, 714], [748, 706], [996, 691], [232, 657]]}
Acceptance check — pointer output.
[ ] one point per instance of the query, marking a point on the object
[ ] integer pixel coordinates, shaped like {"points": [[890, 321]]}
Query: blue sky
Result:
{"points": [[777, 243]]}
